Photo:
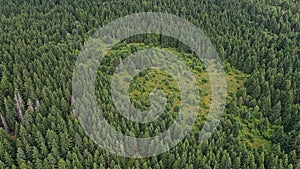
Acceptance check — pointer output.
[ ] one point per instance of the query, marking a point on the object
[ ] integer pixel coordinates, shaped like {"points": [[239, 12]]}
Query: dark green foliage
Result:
{"points": [[39, 43]]}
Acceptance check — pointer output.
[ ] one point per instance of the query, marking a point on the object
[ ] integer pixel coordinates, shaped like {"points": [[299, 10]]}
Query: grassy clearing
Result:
{"points": [[151, 79], [154, 78]]}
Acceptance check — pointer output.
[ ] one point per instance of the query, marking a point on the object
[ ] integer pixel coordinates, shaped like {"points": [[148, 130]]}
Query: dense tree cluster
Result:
{"points": [[40, 41]]}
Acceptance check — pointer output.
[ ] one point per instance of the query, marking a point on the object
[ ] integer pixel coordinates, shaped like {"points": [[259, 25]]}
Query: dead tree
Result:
{"points": [[30, 106], [74, 113], [20, 100], [37, 105], [72, 100], [19, 103], [4, 124], [121, 62]]}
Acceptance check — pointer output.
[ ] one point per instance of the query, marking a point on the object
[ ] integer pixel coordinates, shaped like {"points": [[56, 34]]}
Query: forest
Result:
{"points": [[257, 41]]}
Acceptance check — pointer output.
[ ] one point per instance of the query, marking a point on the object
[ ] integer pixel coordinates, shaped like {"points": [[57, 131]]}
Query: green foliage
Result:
{"points": [[40, 41]]}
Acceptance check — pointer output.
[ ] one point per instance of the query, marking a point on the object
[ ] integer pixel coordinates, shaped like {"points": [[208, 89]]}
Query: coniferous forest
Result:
{"points": [[257, 41]]}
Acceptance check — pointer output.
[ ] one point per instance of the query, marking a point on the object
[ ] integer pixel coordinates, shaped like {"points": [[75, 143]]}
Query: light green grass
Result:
{"points": [[234, 79]]}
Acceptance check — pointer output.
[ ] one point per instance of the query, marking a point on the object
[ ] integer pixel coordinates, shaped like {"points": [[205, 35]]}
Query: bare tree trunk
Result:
{"points": [[3, 121], [121, 62], [74, 113], [21, 102], [19, 107], [30, 106], [72, 100], [37, 105]]}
